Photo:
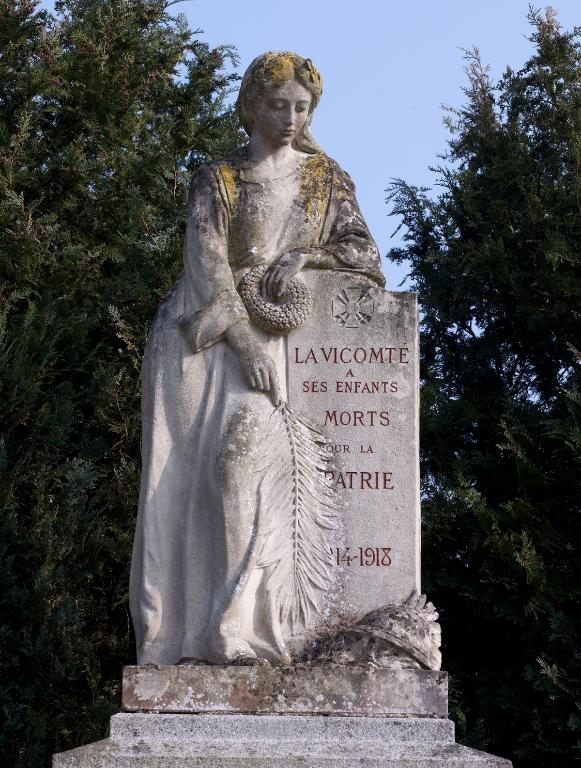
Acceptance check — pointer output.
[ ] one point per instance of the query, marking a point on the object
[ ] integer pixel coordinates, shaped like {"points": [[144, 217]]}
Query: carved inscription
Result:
{"points": [[356, 419], [359, 356], [362, 556], [362, 481], [353, 371], [350, 355]]}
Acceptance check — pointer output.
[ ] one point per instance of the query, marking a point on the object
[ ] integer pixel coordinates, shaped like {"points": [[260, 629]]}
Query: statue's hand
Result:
{"points": [[276, 278], [257, 365]]}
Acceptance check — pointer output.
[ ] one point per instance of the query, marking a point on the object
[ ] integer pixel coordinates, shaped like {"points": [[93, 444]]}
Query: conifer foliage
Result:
{"points": [[106, 108], [495, 258]]}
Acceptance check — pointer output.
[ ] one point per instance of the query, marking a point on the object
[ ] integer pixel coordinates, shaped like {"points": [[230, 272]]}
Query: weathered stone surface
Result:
{"points": [[296, 730], [353, 369], [327, 689], [250, 741], [398, 636], [231, 555]]}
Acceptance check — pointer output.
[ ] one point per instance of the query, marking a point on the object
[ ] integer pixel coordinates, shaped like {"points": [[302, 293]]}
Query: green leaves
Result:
{"points": [[106, 109], [495, 260]]}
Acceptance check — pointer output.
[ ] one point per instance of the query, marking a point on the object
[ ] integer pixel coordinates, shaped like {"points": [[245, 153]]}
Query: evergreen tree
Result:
{"points": [[495, 259], [106, 108]]}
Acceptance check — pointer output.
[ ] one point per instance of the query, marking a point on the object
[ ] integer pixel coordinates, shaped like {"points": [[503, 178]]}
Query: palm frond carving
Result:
{"points": [[298, 513]]}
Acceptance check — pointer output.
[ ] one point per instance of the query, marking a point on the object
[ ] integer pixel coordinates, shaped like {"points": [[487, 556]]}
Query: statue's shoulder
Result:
{"points": [[234, 162], [220, 174], [318, 171], [321, 164], [319, 161], [323, 174], [342, 178]]}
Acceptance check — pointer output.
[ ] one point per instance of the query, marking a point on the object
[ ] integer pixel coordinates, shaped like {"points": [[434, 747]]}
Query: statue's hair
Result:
{"points": [[277, 67]]}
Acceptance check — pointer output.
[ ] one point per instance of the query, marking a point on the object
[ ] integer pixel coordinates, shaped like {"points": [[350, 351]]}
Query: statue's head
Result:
{"points": [[280, 71]]}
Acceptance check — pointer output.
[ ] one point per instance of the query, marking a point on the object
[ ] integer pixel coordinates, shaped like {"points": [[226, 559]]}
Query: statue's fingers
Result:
{"points": [[279, 276], [255, 377], [264, 380], [265, 281], [276, 284], [267, 377], [274, 281], [274, 387], [282, 286]]}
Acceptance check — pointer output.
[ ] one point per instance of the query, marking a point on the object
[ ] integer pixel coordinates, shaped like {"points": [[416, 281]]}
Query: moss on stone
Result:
{"points": [[229, 178], [314, 185]]}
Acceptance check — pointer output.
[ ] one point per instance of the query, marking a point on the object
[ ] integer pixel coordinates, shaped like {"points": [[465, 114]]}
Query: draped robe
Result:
{"points": [[195, 589]]}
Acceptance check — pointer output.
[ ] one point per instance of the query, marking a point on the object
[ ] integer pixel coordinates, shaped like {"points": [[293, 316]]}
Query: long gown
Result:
{"points": [[195, 590]]}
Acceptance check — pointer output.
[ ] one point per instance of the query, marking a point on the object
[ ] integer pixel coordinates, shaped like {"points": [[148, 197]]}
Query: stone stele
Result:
{"points": [[353, 369]]}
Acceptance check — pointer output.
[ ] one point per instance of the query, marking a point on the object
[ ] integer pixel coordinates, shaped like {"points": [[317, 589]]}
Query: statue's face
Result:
{"points": [[281, 111]]}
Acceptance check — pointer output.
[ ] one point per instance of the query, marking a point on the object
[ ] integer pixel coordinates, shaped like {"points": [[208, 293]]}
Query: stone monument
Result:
{"points": [[275, 584]]}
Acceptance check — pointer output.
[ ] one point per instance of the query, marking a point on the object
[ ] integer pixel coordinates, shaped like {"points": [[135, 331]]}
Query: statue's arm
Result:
{"points": [[346, 242], [218, 312], [215, 303]]}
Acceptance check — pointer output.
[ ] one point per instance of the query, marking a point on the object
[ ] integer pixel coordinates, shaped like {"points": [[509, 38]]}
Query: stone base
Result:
{"points": [[296, 717], [327, 689], [276, 741]]}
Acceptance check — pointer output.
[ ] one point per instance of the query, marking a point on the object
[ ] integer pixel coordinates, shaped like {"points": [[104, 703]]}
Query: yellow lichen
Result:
{"points": [[282, 66], [315, 180], [229, 179]]}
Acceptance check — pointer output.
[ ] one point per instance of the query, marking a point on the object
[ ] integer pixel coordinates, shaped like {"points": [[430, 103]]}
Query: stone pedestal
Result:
{"points": [[299, 690], [275, 741], [326, 720]]}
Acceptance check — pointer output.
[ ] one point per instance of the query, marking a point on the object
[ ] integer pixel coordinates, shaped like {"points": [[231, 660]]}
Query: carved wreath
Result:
{"points": [[294, 308]]}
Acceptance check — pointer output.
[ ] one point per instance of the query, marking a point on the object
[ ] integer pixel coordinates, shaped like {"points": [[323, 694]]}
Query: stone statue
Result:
{"points": [[253, 548], [214, 373]]}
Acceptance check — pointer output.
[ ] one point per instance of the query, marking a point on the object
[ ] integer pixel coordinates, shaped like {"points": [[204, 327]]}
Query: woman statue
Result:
{"points": [[212, 378]]}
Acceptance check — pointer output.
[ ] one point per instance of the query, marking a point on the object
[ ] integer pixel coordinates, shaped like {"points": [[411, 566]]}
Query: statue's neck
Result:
{"points": [[271, 161]]}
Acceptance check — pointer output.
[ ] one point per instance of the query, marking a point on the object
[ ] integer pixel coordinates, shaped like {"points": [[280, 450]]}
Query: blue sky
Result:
{"points": [[387, 68]]}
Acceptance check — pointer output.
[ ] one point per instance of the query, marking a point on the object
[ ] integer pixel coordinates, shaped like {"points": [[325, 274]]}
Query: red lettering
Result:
{"points": [[365, 480], [345, 349], [330, 418], [314, 386], [387, 484], [362, 480], [310, 358], [327, 353]]}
